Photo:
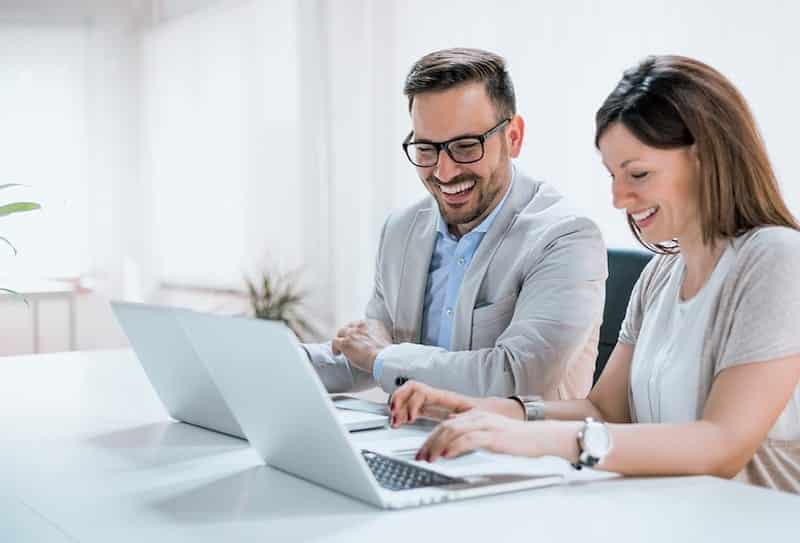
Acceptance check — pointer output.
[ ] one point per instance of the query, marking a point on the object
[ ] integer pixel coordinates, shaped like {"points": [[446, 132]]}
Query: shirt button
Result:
{"points": [[461, 261], [449, 312]]}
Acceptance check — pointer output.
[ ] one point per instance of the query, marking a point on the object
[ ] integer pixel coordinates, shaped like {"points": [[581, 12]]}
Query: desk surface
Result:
{"points": [[89, 455]]}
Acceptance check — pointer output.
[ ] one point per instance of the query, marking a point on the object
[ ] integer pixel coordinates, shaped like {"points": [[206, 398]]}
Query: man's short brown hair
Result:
{"points": [[449, 68]]}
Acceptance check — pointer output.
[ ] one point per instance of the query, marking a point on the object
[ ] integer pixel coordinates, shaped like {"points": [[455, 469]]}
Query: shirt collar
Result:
{"points": [[483, 227]]}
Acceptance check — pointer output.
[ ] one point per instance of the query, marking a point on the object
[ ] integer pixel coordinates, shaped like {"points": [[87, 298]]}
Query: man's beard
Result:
{"points": [[484, 187]]}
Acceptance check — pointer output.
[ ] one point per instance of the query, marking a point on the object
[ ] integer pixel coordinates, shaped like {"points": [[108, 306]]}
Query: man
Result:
{"points": [[491, 286]]}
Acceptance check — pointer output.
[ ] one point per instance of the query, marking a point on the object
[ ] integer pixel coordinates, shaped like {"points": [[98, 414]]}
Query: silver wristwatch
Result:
{"points": [[594, 442], [532, 405]]}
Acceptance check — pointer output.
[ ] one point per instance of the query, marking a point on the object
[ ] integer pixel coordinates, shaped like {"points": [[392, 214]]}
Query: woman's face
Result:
{"points": [[656, 187]]}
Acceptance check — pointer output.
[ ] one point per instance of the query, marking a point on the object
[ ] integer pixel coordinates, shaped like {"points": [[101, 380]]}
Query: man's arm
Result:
{"points": [[558, 308], [335, 370]]}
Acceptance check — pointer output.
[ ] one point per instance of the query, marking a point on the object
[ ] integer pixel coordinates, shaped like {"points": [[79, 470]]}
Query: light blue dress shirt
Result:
{"points": [[449, 262]]}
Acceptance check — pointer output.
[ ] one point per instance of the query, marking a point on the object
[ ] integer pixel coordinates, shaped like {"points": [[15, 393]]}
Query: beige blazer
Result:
{"points": [[528, 312]]}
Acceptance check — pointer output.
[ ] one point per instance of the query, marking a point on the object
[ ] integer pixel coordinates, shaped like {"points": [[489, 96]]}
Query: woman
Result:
{"points": [[704, 377]]}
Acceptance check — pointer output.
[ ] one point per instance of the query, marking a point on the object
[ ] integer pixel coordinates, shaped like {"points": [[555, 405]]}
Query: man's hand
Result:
{"points": [[361, 341]]}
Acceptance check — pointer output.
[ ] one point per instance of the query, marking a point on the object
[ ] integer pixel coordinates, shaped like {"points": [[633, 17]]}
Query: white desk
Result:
{"points": [[86, 448]]}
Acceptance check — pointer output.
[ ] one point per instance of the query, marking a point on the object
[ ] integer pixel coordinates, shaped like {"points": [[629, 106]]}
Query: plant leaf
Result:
{"points": [[278, 299], [9, 244], [15, 293], [18, 207]]}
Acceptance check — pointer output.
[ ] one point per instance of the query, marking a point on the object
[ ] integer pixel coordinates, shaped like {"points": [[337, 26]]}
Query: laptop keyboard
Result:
{"points": [[398, 475]]}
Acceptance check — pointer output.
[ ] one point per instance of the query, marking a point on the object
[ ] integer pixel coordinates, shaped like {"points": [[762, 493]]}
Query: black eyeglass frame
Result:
{"points": [[446, 145]]}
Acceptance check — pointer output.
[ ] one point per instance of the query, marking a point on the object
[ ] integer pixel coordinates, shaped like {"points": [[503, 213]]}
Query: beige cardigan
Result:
{"points": [[756, 318]]}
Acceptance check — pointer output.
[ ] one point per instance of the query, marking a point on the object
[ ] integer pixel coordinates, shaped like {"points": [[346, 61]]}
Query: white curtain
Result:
{"points": [[45, 145], [222, 142]]}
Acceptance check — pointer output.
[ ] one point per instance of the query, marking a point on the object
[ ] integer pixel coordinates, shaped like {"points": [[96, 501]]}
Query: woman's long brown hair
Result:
{"points": [[669, 102]]}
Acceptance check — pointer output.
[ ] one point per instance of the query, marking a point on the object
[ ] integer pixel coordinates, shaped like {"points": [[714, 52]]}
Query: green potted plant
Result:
{"points": [[10, 209], [276, 297]]}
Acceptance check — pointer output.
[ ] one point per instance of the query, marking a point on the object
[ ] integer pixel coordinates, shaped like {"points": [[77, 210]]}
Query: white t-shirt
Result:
{"points": [[666, 359]]}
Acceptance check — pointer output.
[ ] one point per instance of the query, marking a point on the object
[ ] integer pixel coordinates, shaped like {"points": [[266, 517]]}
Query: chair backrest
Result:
{"points": [[624, 268]]}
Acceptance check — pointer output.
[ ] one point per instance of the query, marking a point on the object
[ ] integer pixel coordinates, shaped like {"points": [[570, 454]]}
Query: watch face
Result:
{"points": [[596, 439]]}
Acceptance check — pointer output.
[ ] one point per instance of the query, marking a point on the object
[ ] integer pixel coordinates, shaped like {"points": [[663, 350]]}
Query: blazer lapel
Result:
{"points": [[522, 192], [414, 277]]}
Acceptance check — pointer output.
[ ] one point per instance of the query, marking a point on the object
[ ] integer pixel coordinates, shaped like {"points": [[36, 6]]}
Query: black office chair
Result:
{"points": [[624, 267]]}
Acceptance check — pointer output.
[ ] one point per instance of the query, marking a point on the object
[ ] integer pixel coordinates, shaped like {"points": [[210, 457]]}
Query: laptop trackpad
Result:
{"points": [[357, 420]]}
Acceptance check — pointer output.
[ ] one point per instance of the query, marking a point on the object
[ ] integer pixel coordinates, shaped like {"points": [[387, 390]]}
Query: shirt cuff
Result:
{"points": [[376, 366], [320, 354]]}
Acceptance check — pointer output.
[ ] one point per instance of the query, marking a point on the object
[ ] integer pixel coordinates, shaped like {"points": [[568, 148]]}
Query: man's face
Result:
{"points": [[465, 193]]}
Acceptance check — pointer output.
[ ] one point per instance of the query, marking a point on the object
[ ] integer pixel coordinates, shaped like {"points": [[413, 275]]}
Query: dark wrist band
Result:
{"points": [[521, 404]]}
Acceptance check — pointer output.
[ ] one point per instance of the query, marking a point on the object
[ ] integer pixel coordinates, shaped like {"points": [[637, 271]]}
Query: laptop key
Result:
{"points": [[398, 475]]}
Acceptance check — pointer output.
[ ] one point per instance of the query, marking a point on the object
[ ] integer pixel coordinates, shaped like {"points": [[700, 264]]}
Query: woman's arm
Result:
{"points": [[743, 405], [607, 401]]}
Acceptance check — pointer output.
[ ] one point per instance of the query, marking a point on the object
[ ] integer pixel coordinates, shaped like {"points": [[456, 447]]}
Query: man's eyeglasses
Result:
{"points": [[464, 149]]}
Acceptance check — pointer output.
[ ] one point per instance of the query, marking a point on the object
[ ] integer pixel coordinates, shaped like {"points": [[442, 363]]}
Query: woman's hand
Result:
{"points": [[481, 430], [414, 399]]}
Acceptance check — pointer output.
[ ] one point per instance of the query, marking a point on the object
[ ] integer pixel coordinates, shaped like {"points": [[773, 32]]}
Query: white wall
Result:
{"points": [[228, 135]]}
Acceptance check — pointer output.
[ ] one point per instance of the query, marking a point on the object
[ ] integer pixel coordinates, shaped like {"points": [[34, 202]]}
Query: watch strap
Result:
{"points": [[532, 406]]}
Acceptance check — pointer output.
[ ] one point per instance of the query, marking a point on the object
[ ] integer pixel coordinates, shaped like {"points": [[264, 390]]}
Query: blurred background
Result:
{"points": [[179, 147]]}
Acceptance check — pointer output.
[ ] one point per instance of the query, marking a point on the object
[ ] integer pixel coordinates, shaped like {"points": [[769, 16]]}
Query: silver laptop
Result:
{"points": [[180, 378], [294, 427]]}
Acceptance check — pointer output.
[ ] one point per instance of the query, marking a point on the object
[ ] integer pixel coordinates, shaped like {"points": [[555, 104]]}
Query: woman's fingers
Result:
{"points": [[447, 432], [476, 439], [415, 399], [399, 402], [401, 405], [415, 403], [399, 397], [436, 435], [481, 430], [404, 409]]}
